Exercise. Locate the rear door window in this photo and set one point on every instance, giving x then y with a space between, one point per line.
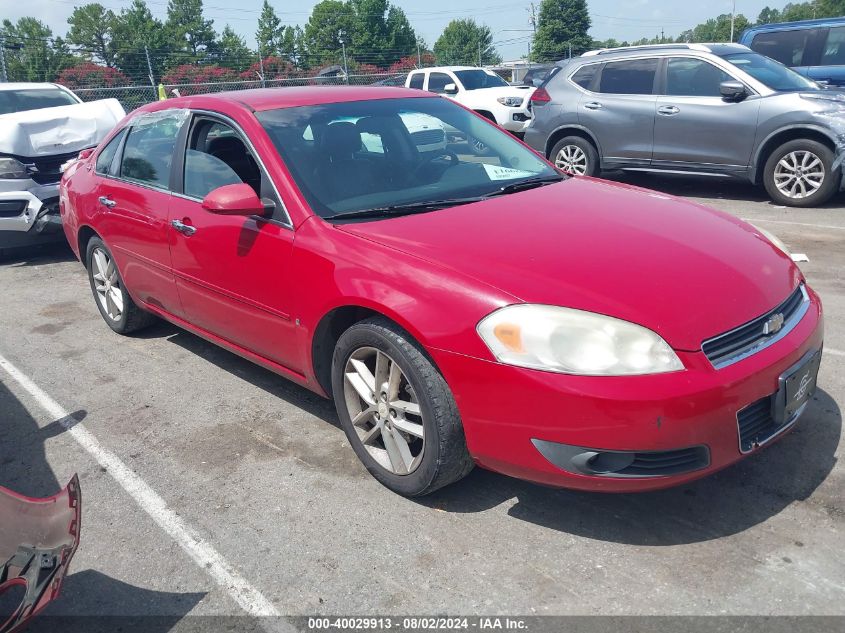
687 77
833 53
787 47
416 81
585 75
630 77
148 152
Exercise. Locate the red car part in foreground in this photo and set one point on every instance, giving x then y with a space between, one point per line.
38 537
461 301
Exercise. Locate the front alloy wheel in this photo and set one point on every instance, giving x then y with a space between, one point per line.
800 173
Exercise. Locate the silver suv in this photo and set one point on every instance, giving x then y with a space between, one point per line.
707 109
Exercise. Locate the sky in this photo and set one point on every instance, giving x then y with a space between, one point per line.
509 21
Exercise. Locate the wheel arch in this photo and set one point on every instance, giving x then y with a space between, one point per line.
571 130
784 135
486 114
83 236
335 322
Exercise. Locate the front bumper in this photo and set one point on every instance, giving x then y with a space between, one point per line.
515 120
506 411
29 213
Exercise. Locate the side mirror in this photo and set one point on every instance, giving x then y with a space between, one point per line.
86 153
450 89
237 199
733 90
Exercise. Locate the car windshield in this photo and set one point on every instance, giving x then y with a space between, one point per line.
771 73
475 79
386 153
33 99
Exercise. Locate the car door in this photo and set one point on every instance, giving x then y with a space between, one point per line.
618 109
232 272
831 64
132 197
695 126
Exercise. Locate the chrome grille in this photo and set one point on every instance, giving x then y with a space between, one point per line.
748 339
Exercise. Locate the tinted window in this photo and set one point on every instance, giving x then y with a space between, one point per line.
148 152
417 81
476 79
787 47
216 156
584 77
33 99
694 78
633 77
834 51
437 82
106 157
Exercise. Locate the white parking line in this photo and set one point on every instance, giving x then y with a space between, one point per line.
815 226
201 551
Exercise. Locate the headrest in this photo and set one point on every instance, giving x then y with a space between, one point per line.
341 139
225 144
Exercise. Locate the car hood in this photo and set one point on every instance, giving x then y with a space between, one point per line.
59 130
523 92
684 271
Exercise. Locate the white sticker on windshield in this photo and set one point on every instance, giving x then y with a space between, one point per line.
494 172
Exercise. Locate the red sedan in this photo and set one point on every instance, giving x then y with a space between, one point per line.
460 308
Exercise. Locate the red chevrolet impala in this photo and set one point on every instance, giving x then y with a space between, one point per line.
460 308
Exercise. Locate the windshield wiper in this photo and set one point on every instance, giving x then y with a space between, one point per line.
524 185
404 209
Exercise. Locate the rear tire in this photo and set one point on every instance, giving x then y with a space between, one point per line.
799 174
430 442
576 155
113 301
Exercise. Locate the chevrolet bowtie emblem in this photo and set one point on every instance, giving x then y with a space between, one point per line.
773 325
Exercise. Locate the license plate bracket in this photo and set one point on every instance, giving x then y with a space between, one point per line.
796 386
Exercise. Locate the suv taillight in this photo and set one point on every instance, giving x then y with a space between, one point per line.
540 97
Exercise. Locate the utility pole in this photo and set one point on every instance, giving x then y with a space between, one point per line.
733 19
261 68
533 19
479 52
3 76
150 69
419 56
345 65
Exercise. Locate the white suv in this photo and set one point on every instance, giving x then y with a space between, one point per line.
480 90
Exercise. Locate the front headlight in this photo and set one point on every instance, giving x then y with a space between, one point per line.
12 168
511 102
571 341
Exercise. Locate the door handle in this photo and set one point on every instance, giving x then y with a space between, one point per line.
184 229
668 110
107 202
593 105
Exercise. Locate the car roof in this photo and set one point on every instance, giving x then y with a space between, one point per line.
289 97
450 68
623 51
785 26
30 86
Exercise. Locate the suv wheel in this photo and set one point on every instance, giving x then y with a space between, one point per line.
799 174
575 155
398 413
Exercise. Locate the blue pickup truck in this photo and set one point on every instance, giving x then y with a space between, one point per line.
814 48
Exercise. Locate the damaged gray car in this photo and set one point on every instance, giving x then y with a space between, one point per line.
42 126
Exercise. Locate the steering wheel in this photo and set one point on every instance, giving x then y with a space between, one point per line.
453 161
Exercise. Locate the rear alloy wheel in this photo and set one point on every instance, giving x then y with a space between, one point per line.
576 156
115 305
397 410
799 174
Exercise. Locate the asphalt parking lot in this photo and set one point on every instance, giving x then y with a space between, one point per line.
257 471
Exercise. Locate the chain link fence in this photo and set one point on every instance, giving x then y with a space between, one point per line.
132 97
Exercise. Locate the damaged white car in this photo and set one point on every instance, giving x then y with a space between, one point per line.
42 126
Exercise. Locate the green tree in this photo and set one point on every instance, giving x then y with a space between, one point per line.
191 34
381 33
465 42
716 29
270 30
768 16
33 54
331 22
92 29
562 27
134 29
232 51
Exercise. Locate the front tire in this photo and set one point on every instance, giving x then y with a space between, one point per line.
576 156
113 301
397 410
799 174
